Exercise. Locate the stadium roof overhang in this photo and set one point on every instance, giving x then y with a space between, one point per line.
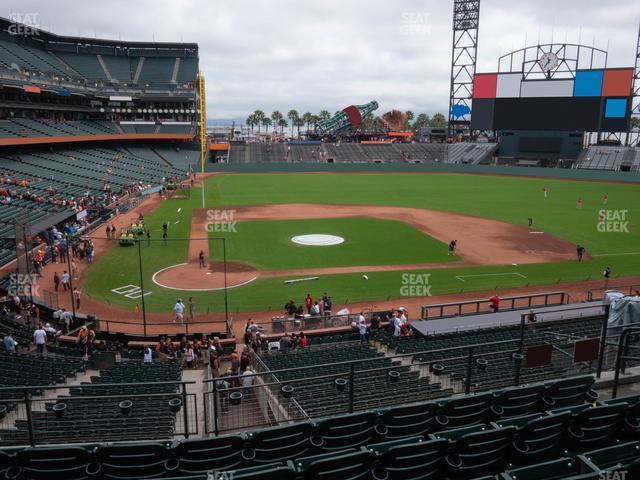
9 25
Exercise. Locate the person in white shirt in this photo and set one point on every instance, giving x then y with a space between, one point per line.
247 383
40 338
362 327
178 309
148 355
67 318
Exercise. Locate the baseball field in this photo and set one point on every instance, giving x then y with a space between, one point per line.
395 229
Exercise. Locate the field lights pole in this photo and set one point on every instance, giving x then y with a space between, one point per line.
144 312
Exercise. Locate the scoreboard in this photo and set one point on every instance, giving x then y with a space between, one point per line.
594 100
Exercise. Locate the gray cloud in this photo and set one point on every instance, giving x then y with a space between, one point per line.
282 54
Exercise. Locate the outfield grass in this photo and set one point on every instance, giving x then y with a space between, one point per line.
504 198
367 241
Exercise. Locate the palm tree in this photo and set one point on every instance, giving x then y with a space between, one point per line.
251 121
314 120
421 122
410 116
299 123
276 117
324 115
293 116
259 116
266 121
437 120
307 118
282 123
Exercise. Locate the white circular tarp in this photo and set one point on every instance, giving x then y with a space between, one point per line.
317 240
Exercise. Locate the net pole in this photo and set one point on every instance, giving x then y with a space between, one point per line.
203 130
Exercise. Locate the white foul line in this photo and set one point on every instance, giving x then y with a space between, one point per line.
460 277
615 254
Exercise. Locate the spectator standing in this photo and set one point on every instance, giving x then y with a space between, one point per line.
308 303
607 275
178 310
494 303
76 296
66 281
362 327
302 341
247 382
40 339
148 355
56 281
67 318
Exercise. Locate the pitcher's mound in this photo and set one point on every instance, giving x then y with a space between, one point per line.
190 277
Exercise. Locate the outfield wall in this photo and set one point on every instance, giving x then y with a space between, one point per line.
561 173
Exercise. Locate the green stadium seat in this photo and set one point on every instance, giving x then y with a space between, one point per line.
539 439
134 461
273 471
413 461
612 458
572 391
596 427
351 464
561 469
202 455
347 431
518 401
56 463
278 443
465 411
480 453
409 420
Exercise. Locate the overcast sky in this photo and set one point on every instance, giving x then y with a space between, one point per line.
283 54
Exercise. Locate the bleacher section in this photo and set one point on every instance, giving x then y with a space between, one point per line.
381 153
540 431
471 153
345 152
610 158
319 398
92 413
29 128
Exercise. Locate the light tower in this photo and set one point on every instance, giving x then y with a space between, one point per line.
466 17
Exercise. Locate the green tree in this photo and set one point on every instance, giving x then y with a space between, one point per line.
266 121
251 121
437 120
299 123
293 116
276 117
421 121
308 118
410 117
635 122
258 116
324 115
282 123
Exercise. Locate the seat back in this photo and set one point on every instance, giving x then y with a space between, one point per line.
410 420
273 471
518 401
571 391
419 460
280 443
480 453
55 463
346 465
597 426
561 469
133 461
202 455
346 431
540 439
621 455
465 411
